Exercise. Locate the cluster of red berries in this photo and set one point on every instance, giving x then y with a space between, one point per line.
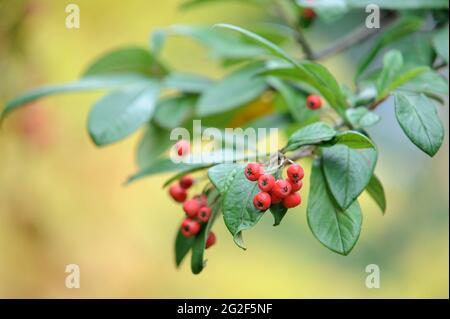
313 102
276 191
196 209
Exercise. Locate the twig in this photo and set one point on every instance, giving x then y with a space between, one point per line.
360 35
440 66
299 37
305 152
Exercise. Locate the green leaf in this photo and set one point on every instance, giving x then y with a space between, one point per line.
295 102
336 229
233 91
403 78
440 42
222 175
416 50
183 245
312 134
361 117
353 139
348 171
392 64
264 43
419 120
154 142
166 165
120 113
278 211
402 28
187 83
237 205
85 84
220 44
131 60
198 249
429 83
376 191
315 76
393 76
172 112
327 85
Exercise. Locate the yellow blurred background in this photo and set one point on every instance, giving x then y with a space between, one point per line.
62 200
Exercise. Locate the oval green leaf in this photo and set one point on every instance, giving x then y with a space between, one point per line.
120 113
348 171
419 120
336 229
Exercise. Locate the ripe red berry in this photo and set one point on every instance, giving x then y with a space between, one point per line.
211 240
262 201
204 214
190 227
177 193
292 200
274 199
309 13
191 208
202 199
186 181
182 147
253 171
296 186
266 182
313 102
281 188
295 172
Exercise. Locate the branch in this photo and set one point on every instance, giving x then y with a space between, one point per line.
301 40
360 35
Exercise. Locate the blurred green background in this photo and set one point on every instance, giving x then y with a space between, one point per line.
62 200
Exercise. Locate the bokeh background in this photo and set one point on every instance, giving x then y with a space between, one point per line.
62 199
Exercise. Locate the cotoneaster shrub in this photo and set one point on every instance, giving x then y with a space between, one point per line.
322 119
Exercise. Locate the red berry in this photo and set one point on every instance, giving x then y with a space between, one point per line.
204 214
292 200
182 147
266 182
262 201
191 208
186 181
190 227
295 172
281 188
309 13
211 240
253 171
313 102
177 193
274 199
296 186
202 199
